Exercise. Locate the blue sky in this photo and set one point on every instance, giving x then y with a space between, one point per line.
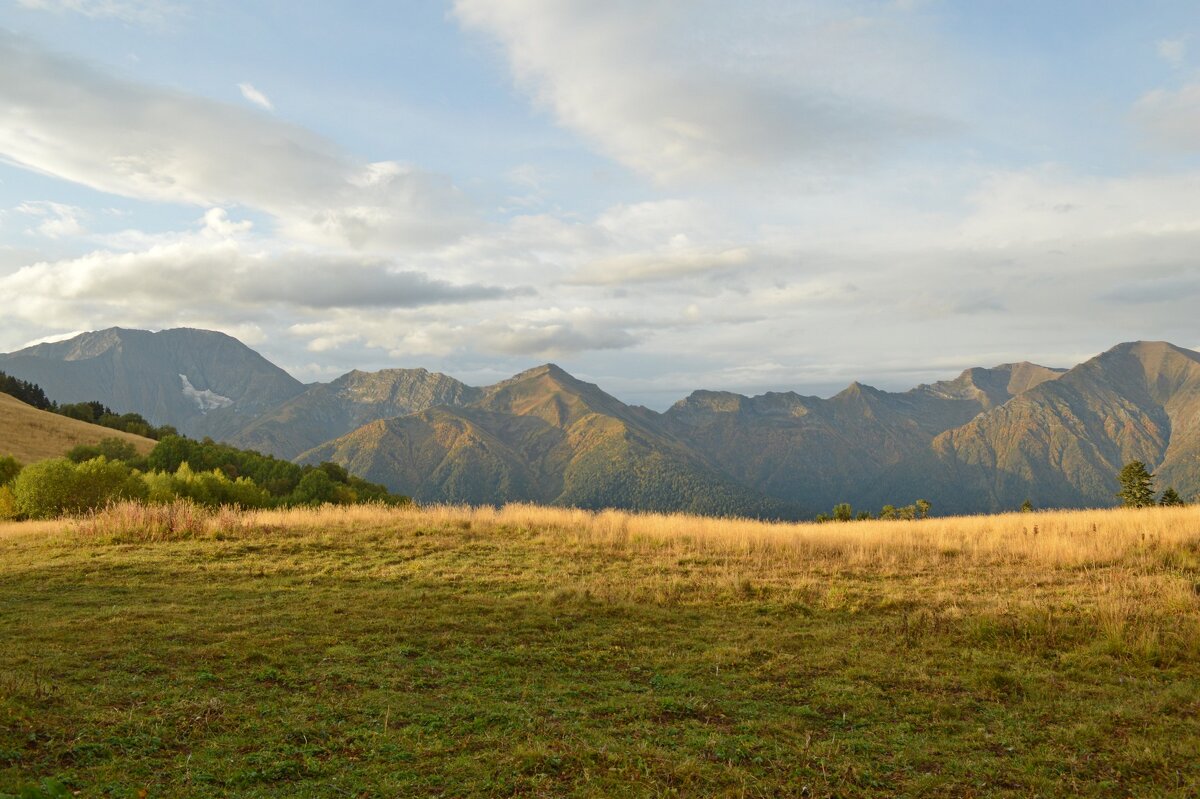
658 195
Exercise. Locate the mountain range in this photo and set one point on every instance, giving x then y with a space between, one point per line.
985 441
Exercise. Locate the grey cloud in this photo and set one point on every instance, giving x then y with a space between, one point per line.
1154 291
221 276
555 339
645 267
315 282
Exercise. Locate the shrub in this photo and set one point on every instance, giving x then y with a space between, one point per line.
58 487
45 489
8 503
317 488
115 449
9 469
210 489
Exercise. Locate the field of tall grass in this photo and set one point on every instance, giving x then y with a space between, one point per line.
545 651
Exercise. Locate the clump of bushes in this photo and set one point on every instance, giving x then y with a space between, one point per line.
59 487
204 473
842 512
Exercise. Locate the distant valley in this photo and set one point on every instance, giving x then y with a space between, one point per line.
986 440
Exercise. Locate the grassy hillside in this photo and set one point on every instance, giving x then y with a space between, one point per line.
554 652
31 435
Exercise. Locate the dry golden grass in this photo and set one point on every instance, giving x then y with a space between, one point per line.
1135 572
529 651
1071 538
29 434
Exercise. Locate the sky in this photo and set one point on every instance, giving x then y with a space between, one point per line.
657 195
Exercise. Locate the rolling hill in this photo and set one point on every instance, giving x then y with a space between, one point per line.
30 435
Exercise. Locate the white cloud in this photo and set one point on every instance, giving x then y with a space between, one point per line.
236 277
1052 206
527 334
684 91
65 118
56 220
255 96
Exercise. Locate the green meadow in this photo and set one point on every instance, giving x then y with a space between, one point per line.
543 652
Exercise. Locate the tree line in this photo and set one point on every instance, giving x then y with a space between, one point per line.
205 472
843 512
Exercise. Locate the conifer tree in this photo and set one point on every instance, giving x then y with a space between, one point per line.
1137 485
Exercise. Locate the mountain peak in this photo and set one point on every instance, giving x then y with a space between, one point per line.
551 393
857 389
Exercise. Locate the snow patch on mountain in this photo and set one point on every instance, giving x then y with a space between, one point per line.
205 400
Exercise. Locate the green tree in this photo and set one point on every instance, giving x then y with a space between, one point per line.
115 449
842 512
923 506
43 489
888 512
58 487
1171 498
9 469
1137 485
1027 506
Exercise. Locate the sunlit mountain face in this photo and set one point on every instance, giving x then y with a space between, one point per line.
987 440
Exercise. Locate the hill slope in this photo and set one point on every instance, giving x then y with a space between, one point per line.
202 382
30 435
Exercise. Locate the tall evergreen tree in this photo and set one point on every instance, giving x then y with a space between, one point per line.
1137 485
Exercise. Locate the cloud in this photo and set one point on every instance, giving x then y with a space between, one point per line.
68 119
57 220
669 264
535 333
678 92
1171 118
1052 206
141 12
1173 51
236 279
255 96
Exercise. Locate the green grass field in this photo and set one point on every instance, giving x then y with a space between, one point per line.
455 653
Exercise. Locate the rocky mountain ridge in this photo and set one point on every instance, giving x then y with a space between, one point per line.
985 440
